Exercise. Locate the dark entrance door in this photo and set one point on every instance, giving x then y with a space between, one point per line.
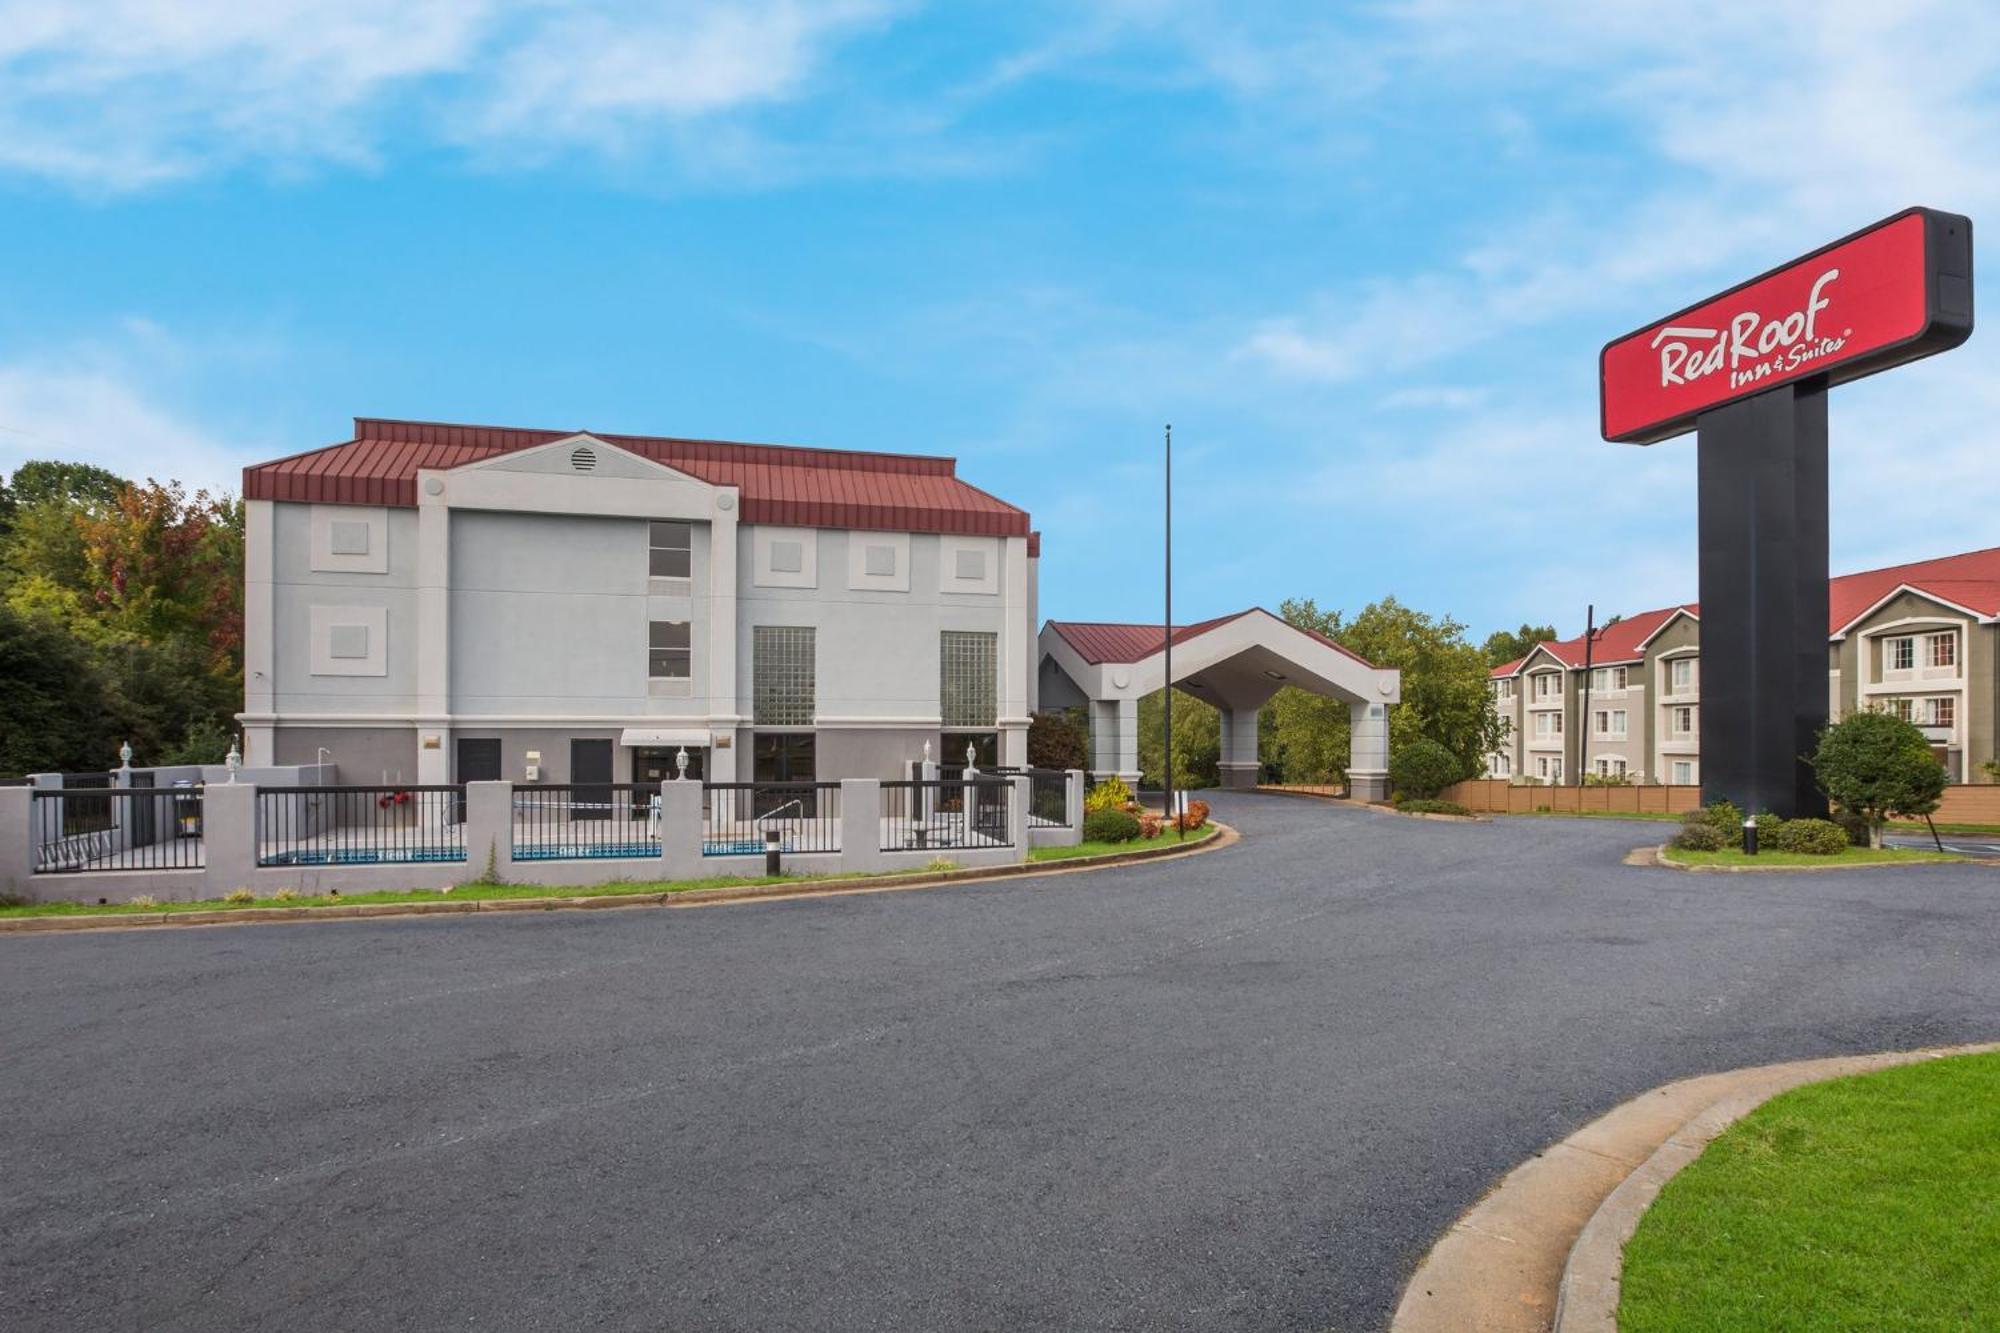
590 779
783 756
144 831
478 761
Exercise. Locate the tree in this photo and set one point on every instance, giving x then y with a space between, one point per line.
80 485
1874 765
1058 740
1445 694
1197 742
1502 647
52 714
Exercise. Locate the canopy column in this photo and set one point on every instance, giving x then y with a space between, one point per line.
1239 747
1368 751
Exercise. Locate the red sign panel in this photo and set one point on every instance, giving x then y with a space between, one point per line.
1893 292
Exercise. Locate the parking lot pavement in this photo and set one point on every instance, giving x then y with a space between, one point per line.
1241 1091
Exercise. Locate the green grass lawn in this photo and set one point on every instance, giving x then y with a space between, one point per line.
1852 856
1166 839
1905 826
1863 1203
1655 815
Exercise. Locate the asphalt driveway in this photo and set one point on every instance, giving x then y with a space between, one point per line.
1241 1091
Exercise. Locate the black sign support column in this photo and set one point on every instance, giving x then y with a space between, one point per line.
1762 465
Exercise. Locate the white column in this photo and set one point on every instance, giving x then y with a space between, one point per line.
228 835
1017 815
1128 742
433 720
259 659
1368 751
724 687
17 838
1239 747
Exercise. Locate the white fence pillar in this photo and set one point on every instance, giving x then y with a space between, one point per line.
1017 814
860 824
489 830
229 836
17 838
1073 800
680 830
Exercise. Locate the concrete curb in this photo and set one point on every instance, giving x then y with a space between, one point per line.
1225 836
1659 858
1543 1249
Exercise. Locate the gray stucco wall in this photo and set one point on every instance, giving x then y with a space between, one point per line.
361 756
549 616
870 753
297 588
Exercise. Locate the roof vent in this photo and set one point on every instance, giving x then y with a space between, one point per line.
583 458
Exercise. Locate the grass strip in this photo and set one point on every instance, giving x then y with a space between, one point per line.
1166 839
1861 1203
1852 856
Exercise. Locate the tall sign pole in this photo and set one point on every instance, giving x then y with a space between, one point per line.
1167 633
1748 371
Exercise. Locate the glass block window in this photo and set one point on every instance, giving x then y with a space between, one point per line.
781 676
668 651
969 678
672 553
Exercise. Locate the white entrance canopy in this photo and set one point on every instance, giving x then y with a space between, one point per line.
1234 662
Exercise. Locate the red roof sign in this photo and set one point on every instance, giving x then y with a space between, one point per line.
1890 293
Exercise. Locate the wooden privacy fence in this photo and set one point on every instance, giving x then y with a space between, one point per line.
1495 796
1978 804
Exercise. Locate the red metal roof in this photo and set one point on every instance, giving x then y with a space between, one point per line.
789 484
1970 580
1098 641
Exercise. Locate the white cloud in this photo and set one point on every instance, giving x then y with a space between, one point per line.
124 94
96 403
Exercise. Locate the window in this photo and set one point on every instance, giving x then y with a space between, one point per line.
1611 722
782 690
1502 766
672 550
1903 708
968 678
1542 767
1548 724
1610 768
1900 654
1605 680
669 653
1503 690
1680 674
1548 685
1683 721
1942 711
1683 773
1942 650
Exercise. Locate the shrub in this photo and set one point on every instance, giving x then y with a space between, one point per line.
142 900
285 895
1877 765
1057 740
1196 816
1698 835
239 897
1811 837
1432 807
1149 825
941 864
1725 817
1110 826
1110 794
1422 768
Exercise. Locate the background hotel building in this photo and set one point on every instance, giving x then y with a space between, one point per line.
437 603
1921 639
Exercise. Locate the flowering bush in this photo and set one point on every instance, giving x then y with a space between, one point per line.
1110 794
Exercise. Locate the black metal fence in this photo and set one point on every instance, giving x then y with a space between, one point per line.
572 822
737 816
1048 795
116 828
345 826
957 815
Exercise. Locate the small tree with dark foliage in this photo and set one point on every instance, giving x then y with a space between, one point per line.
1421 768
1057 740
1875 765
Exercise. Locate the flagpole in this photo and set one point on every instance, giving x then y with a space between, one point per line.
1167 633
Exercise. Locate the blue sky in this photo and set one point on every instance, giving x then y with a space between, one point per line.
1361 256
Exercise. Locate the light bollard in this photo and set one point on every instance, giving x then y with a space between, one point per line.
771 847
1750 836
